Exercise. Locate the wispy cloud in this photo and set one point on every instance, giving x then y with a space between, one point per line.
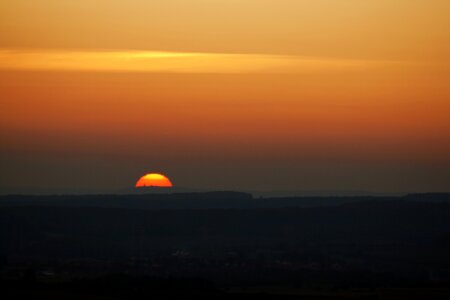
171 62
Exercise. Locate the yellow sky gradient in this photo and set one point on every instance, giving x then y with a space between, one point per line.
320 88
377 29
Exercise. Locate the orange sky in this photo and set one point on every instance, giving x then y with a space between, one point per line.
232 94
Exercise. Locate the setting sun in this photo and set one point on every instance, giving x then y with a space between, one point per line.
154 180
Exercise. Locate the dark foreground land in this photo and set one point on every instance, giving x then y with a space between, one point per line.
225 246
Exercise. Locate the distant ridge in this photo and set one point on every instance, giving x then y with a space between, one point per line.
439 197
206 200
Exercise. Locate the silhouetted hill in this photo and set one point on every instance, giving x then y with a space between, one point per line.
207 200
92 232
429 197
360 242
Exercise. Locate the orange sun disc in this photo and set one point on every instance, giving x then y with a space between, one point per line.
154 179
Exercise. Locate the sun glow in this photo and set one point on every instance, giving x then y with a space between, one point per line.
154 180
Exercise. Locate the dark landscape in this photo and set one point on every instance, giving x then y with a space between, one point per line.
225 245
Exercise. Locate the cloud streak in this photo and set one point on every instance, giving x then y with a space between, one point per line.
173 62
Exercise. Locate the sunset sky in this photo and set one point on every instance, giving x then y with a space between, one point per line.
256 95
